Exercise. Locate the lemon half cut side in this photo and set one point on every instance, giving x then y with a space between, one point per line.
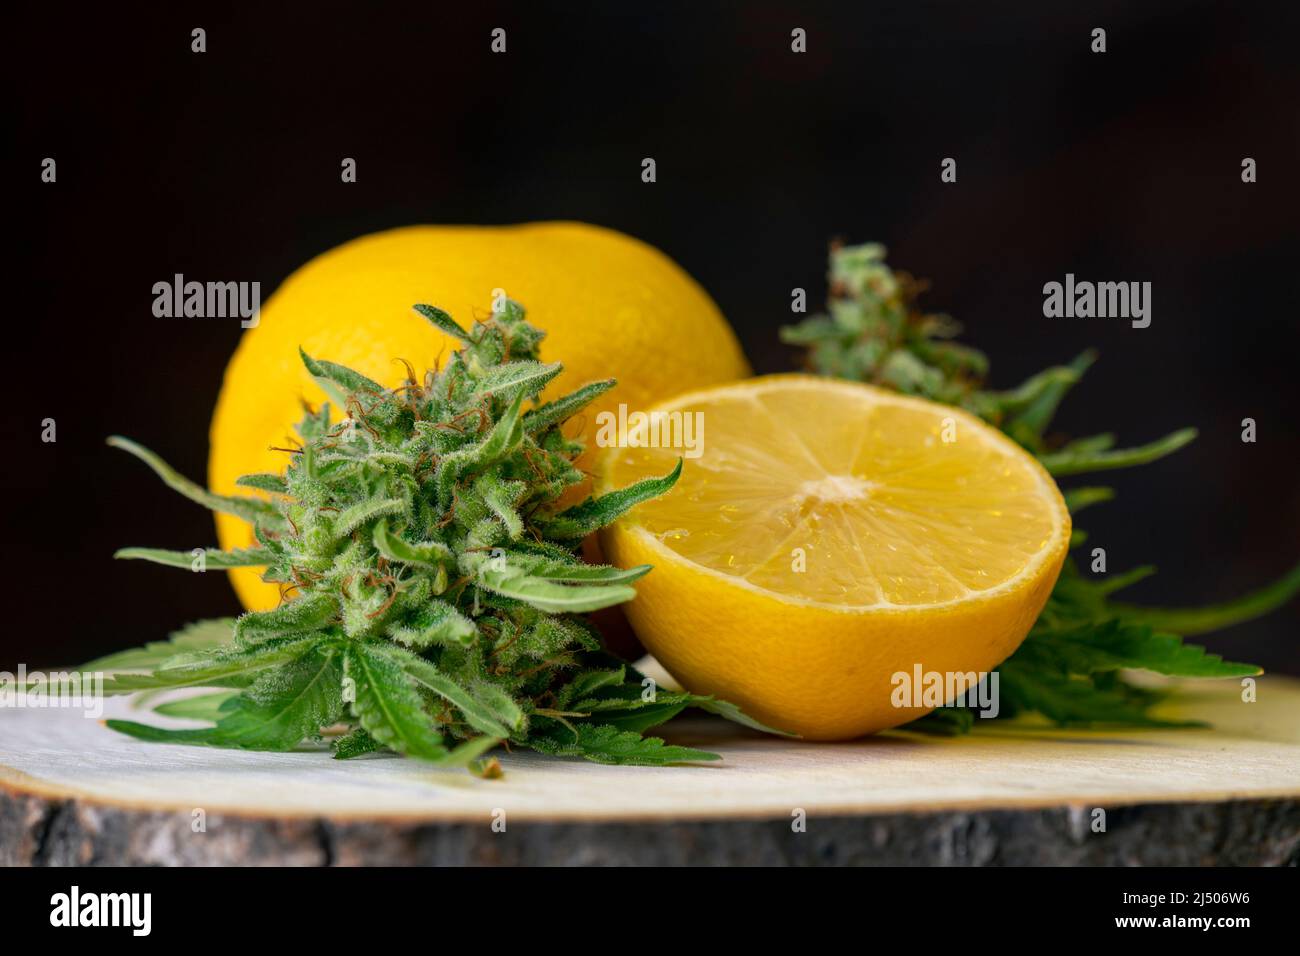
828 538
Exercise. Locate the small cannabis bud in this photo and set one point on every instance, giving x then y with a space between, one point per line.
1069 667
434 586
873 333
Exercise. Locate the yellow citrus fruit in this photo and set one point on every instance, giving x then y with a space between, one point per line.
828 537
611 306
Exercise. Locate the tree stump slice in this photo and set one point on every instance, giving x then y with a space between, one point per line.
73 792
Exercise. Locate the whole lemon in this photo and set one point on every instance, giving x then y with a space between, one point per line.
612 307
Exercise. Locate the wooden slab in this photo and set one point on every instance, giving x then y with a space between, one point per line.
73 791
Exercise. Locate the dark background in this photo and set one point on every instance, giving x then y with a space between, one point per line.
1119 166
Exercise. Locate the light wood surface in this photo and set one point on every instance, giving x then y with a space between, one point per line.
1250 757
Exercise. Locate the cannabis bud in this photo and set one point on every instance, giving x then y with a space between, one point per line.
874 332
434 589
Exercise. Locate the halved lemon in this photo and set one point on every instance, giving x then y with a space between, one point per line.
828 544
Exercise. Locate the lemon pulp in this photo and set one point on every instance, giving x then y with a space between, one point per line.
823 514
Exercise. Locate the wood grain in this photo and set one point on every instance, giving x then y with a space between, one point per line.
72 791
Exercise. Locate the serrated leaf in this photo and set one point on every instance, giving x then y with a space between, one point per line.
1040 412
590 682
517 378
1214 617
424 674
579 573
213 558
605 744
441 320
1080 460
1037 391
309 613
1113 645
734 714
282 709
1069 700
553 596
426 554
354 516
339 381
202 707
468 752
264 481
595 513
355 744
562 409
641 717
504 438
210 668
250 509
198 636
388 705
502 498
436 623
503 708
605 693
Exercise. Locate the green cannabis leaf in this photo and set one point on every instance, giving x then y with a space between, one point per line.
199 636
434 589
281 708
1069 668
607 744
